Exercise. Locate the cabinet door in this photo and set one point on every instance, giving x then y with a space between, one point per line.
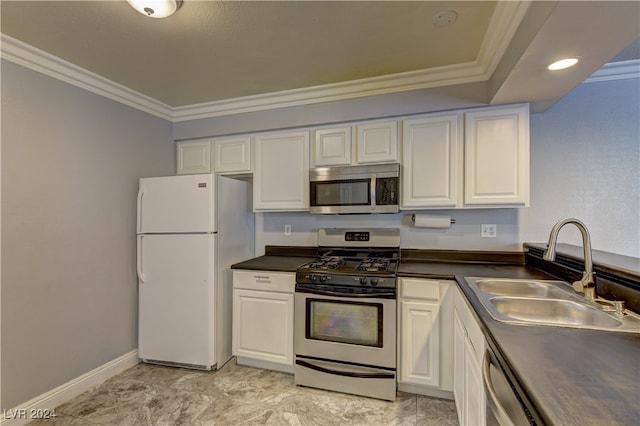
332 147
232 155
377 142
281 176
263 326
474 400
193 157
420 353
497 156
458 366
431 159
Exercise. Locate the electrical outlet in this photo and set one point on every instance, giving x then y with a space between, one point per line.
488 231
287 230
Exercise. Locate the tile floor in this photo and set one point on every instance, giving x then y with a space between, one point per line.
237 395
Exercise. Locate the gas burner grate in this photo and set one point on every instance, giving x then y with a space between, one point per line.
374 264
331 262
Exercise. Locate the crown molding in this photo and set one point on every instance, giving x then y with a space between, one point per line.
37 60
503 25
616 71
413 80
504 22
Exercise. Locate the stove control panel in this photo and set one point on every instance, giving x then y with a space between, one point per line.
349 280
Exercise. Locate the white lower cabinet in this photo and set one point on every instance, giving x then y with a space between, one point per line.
468 348
263 319
425 347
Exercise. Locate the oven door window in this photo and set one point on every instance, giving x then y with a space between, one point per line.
354 192
354 323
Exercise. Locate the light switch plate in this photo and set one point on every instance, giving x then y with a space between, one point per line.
287 230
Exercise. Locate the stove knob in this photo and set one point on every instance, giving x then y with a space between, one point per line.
323 278
374 281
313 278
363 280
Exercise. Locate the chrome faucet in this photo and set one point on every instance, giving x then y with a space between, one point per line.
587 284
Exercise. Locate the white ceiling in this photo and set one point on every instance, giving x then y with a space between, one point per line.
219 50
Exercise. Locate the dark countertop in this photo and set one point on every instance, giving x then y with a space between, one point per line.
279 259
568 376
273 263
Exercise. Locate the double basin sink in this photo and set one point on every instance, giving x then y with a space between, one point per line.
550 303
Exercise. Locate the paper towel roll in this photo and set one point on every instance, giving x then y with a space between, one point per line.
431 221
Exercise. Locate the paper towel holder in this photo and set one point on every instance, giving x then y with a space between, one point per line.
413 219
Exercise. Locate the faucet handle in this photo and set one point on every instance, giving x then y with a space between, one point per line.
578 286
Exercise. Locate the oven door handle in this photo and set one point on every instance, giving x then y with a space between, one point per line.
382 295
345 373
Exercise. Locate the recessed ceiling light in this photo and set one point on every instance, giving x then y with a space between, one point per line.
446 17
564 63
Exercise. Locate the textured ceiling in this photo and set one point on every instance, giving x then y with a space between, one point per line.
223 50
210 50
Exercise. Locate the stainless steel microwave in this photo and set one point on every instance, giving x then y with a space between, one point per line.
370 188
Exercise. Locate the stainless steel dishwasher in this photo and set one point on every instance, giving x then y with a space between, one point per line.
504 406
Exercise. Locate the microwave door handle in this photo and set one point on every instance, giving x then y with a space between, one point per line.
372 192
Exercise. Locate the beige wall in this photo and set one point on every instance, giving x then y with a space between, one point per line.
70 165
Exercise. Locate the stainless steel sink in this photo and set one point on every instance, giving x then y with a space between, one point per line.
523 288
551 311
548 303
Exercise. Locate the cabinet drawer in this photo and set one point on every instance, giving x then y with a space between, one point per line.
265 280
420 288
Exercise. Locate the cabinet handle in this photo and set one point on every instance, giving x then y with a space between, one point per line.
262 277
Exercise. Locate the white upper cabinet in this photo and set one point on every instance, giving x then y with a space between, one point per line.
497 156
362 143
377 142
432 161
232 155
281 171
332 147
193 157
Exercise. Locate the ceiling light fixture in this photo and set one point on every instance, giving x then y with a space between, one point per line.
156 8
564 63
444 18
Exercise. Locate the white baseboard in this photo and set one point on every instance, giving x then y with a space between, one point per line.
43 405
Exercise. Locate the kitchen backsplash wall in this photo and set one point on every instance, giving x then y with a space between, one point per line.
464 234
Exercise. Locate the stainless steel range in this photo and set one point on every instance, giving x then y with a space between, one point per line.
345 313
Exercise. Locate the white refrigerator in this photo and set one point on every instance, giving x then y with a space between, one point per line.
190 230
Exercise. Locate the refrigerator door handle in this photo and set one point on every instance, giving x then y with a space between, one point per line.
139 259
139 211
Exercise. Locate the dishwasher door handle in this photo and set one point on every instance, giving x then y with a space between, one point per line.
493 401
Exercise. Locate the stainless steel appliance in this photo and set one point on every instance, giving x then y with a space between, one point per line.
504 406
345 313
354 189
